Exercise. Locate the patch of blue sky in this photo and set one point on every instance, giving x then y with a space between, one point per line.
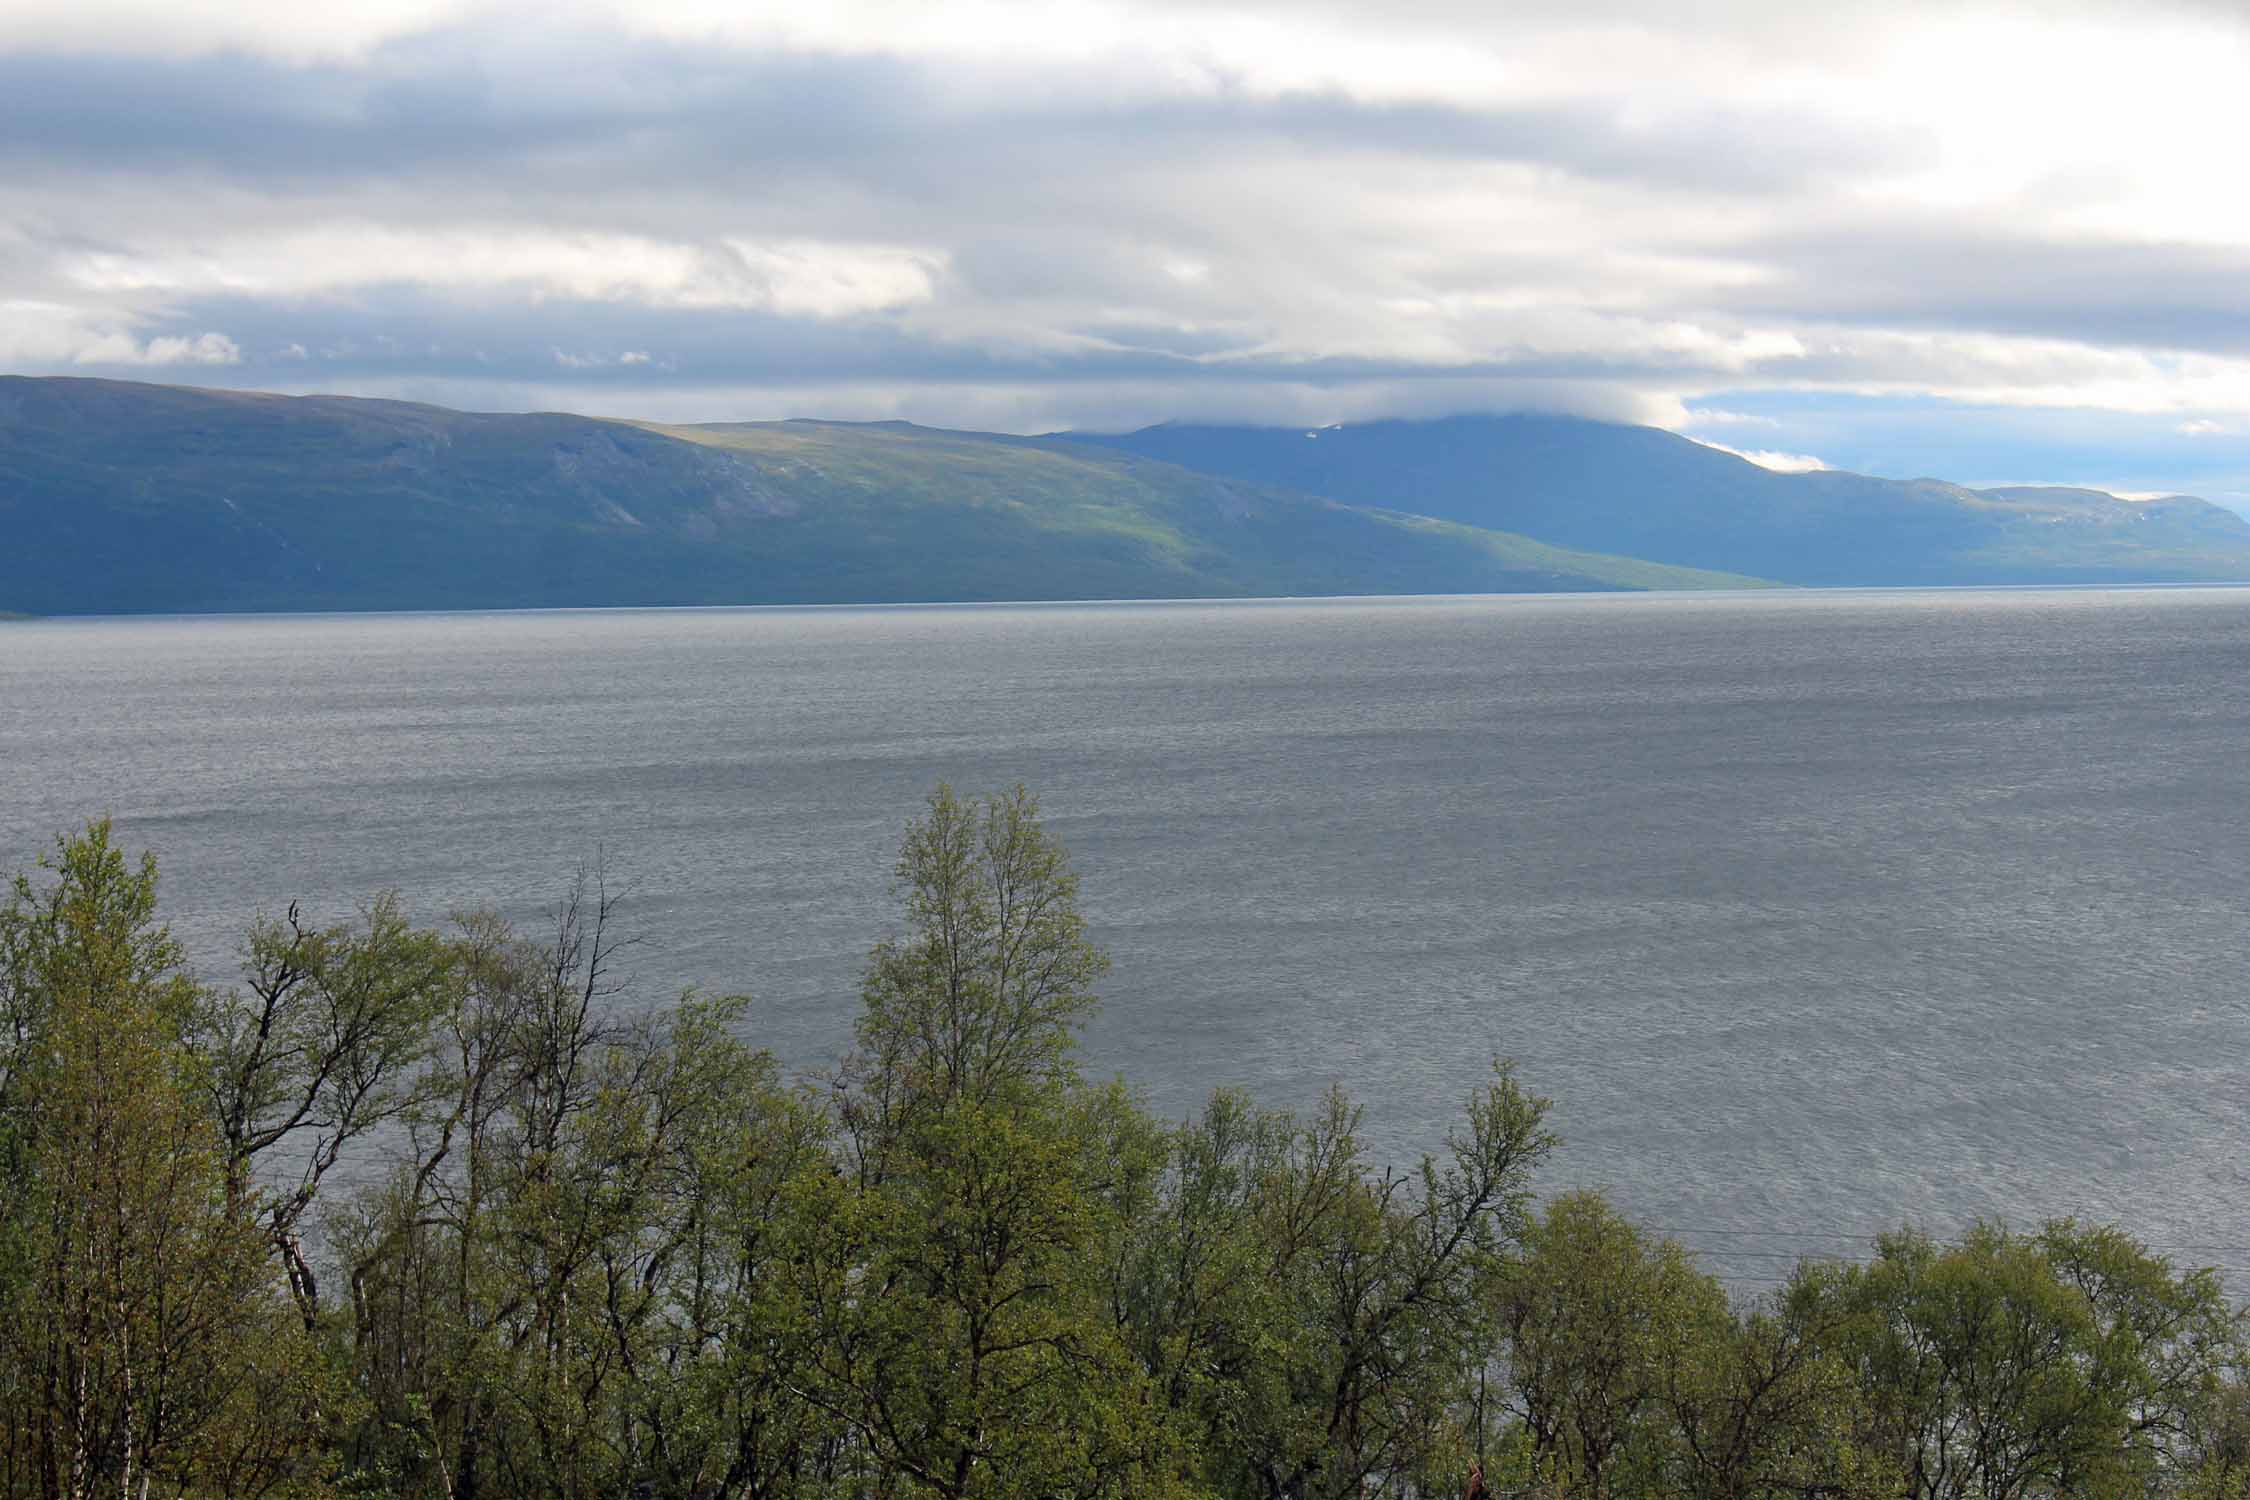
1908 437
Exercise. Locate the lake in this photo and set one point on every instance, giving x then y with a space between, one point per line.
1812 911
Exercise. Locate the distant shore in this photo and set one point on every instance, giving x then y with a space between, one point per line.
1759 590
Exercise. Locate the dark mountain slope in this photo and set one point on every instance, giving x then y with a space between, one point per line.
1649 493
119 497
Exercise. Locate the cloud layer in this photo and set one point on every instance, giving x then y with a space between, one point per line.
1840 220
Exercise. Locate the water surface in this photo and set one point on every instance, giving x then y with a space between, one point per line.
1812 911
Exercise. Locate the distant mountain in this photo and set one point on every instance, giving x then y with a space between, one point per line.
1649 493
121 497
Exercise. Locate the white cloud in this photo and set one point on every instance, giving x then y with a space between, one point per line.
37 334
1766 458
285 29
795 277
1026 406
124 349
1092 210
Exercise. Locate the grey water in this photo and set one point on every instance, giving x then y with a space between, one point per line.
1813 912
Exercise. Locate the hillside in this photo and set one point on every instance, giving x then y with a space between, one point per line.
1649 493
121 497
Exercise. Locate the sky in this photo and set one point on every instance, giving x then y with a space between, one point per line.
1995 244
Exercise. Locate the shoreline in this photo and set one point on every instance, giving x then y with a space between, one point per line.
1789 591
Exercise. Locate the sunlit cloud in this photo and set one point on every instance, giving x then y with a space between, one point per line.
797 278
54 335
1107 211
1766 458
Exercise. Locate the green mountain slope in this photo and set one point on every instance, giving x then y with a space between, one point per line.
1647 493
119 497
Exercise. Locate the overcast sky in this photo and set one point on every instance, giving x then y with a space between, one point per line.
1995 244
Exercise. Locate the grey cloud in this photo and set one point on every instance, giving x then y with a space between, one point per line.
467 99
1100 241
1020 407
1776 28
428 107
379 334
1956 275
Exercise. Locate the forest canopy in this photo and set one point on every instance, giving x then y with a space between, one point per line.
451 1213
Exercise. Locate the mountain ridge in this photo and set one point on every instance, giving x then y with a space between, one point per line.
119 497
1646 492
122 497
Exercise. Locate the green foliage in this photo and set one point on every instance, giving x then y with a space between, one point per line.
590 1248
84 945
1762 1403
1594 1316
1313 1323
982 999
144 1340
321 1047
963 1339
2071 1362
90 940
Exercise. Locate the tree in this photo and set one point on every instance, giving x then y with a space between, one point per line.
2166 1340
1315 1324
145 1339
2215 1459
90 939
562 1289
961 1334
614 1254
719 1355
1761 1403
322 1047
984 994
2068 1363
1594 1315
